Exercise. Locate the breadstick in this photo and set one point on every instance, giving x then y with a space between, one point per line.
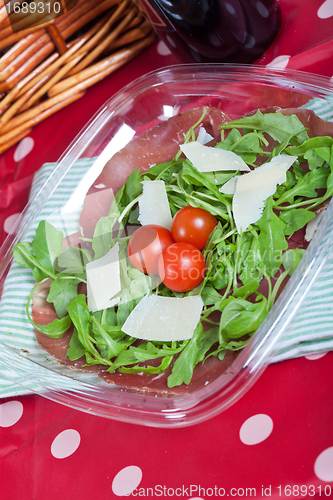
98 71
38 116
101 46
14 140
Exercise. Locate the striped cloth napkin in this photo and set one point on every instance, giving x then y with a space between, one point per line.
310 330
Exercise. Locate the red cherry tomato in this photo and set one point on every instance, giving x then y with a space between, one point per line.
193 225
181 267
145 246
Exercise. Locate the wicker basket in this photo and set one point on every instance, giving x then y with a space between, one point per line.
45 68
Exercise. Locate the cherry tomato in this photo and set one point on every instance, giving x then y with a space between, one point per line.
145 246
193 225
181 267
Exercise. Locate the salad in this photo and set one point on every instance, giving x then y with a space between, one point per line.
242 200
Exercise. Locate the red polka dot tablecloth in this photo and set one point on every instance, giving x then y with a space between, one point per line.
276 442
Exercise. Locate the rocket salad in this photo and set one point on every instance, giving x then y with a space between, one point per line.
244 271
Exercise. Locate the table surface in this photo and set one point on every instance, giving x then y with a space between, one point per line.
277 441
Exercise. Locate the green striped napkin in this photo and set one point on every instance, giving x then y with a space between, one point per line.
310 331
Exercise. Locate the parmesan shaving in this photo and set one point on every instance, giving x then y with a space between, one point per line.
154 205
230 186
203 136
208 159
254 188
164 319
313 225
103 281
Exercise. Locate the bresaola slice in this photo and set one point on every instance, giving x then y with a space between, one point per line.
159 144
96 205
114 176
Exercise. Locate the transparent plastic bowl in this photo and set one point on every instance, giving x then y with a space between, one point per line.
236 90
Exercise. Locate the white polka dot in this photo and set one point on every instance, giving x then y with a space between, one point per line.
262 9
318 355
249 41
279 62
325 10
230 8
10 413
162 49
127 480
24 148
65 444
323 466
214 39
256 429
10 222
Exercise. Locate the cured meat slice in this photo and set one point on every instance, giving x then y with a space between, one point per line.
96 205
159 144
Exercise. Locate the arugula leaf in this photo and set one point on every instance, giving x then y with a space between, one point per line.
251 263
277 125
247 290
25 258
271 239
295 219
140 354
305 186
23 255
124 310
184 365
80 316
219 178
210 295
195 352
247 146
289 183
243 245
149 369
156 170
46 246
329 183
191 174
56 329
104 234
73 260
218 279
62 291
316 151
109 347
76 350
241 317
133 185
291 258
205 342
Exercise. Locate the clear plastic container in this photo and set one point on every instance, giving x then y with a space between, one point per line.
148 100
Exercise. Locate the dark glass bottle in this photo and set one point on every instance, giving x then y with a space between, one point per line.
238 31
